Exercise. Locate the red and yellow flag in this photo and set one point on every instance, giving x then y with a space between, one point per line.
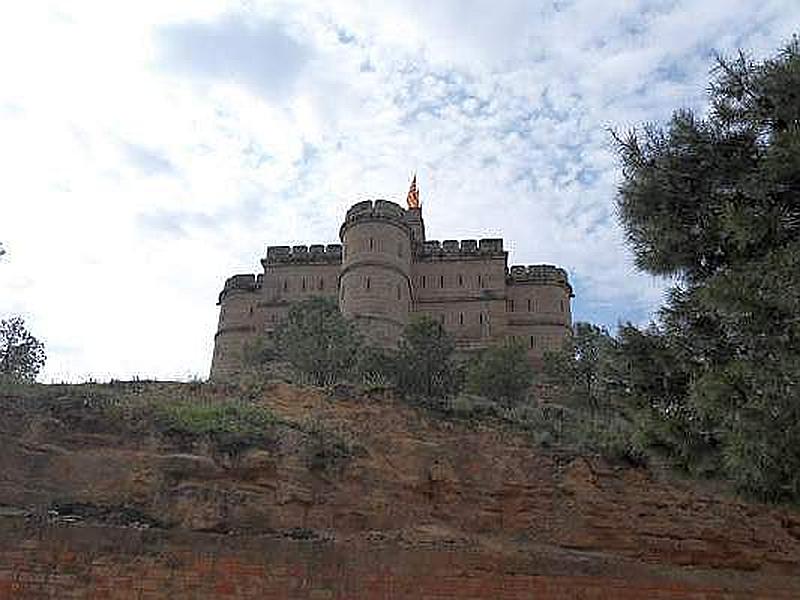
413 194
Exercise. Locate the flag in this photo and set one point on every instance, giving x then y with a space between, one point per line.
413 194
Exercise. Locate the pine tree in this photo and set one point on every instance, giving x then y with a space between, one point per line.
714 202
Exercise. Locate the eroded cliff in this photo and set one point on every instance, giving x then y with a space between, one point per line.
355 496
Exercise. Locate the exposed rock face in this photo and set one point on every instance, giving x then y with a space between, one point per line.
440 509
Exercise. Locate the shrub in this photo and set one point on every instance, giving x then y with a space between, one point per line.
501 373
21 355
231 425
424 366
376 366
318 341
328 448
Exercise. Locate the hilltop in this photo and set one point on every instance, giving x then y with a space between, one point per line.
133 490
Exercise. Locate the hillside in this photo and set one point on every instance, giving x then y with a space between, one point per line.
350 495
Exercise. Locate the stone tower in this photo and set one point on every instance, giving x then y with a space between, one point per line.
375 282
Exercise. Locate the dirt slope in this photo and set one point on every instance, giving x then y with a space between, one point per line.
476 500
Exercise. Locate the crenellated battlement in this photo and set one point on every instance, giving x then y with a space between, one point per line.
295 255
247 282
454 249
375 210
538 274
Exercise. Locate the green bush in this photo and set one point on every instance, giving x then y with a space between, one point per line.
501 373
376 367
424 365
22 356
231 425
318 341
329 448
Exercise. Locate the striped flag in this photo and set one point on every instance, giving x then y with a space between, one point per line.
413 194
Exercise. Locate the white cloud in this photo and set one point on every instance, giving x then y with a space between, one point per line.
151 149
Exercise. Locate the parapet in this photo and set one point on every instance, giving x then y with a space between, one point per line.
539 274
452 249
383 210
240 283
313 254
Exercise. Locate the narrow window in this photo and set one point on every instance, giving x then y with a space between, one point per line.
531 341
480 281
423 281
285 284
304 283
251 311
321 284
460 318
441 281
529 305
480 318
272 318
460 281
510 306
367 282
371 243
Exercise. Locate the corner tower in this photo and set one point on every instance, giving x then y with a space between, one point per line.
375 284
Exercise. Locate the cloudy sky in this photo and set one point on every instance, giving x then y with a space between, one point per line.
150 149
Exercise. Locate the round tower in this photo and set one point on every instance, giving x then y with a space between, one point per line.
375 284
538 307
236 324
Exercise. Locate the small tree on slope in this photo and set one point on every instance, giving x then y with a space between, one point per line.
21 355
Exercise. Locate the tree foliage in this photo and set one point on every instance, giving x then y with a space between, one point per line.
317 340
703 195
714 202
22 356
424 365
501 373
582 366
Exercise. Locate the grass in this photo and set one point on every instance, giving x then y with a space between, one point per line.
235 418
195 416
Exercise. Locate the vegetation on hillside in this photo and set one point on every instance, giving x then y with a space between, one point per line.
318 341
502 373
714 202
22 356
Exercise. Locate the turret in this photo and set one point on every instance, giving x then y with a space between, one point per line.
236 324
375 285
538 306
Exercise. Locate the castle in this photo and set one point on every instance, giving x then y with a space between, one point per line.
384 272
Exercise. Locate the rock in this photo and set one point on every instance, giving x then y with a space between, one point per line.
579 479
257 465
189 466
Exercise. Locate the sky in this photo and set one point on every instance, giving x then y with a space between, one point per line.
148 150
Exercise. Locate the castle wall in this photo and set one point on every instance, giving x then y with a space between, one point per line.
462 284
